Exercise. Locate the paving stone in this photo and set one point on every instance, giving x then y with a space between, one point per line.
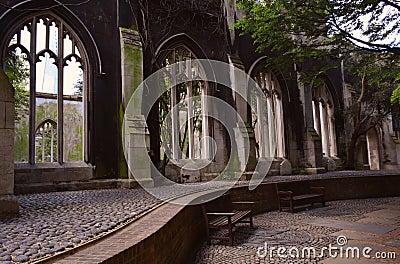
367 228
355 235
385 213
380 221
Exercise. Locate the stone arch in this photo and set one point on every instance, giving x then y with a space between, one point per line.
270 84
324 104
23 9
181 48
282 81
60 57
176 40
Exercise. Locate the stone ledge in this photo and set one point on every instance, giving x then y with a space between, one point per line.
65 186
52 172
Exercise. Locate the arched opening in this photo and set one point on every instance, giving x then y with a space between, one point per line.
268 118
184 128
47 65
324 119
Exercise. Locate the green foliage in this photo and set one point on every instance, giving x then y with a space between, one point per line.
305 29
299 171
17 72
395 98
364 34
325 30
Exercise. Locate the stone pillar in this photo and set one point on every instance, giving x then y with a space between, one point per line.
373 146
135 133
271 141
332 132
8 202
317 123
239 86
312 142
324 129
280 134
137 144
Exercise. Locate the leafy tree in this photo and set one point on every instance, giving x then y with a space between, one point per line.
362 34
373 83
17 72
311 28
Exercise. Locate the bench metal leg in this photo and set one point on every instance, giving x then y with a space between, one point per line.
230 234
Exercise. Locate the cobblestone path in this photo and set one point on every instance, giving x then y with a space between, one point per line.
54 222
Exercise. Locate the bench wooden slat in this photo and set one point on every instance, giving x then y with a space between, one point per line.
217 220
288 200
306 196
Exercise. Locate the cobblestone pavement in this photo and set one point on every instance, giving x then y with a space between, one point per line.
368 222
55 222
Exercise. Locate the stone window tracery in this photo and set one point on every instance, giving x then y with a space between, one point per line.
324 120
264 121
182 108
49 62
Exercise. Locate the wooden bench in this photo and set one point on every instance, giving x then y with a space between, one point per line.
222 213
289 201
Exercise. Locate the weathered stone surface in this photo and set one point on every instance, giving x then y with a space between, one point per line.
189 176
285 167
8 203
9 115
329 164
6 91
8 206
2 115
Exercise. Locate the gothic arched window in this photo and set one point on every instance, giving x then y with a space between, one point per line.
324 120
46 63
181 108
271 117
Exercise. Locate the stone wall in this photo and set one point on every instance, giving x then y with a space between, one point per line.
8 204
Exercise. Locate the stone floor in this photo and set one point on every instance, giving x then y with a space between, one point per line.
55 222
373 223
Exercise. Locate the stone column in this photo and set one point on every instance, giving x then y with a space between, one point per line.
137 144
262 127
324 129
271 128
317 123
8 202
332 132
136 135
280 134
312 142
242 131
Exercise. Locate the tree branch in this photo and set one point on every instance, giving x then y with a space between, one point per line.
390 3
